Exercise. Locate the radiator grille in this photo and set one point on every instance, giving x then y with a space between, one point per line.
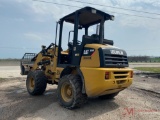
116 60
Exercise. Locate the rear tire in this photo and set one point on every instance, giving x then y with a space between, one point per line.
36 82
110 96
70 91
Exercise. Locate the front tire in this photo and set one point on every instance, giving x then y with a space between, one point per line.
70 91
36 82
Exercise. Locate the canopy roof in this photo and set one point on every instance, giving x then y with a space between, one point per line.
87 16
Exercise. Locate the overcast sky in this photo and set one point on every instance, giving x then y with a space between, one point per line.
25 25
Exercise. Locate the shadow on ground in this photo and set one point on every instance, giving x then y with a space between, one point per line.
18 103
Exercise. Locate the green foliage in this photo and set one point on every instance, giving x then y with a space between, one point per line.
157 59
1 78
150 69
147 59
9 59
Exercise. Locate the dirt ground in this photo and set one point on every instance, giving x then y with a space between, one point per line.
141 101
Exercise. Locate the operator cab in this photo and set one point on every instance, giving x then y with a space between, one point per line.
81 19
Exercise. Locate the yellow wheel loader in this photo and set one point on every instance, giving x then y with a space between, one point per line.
88 68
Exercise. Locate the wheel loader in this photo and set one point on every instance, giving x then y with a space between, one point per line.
89 67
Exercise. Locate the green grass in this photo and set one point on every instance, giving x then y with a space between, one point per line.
155 59
150 69
2 80
9 60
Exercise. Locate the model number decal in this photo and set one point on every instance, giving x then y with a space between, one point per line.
117 52
88 51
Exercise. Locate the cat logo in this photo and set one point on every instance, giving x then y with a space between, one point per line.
85 52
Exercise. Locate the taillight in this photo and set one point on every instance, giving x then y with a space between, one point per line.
131 74
106 75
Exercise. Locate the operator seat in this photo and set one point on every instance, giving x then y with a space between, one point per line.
95 36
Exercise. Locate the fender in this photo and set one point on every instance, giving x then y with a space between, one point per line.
82 78
68 70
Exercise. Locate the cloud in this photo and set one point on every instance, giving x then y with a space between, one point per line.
33 36
24 18
44 11
56 11
135 22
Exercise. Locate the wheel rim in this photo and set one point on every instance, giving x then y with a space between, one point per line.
67 92
31 84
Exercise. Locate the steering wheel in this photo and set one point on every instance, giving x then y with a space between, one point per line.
79 42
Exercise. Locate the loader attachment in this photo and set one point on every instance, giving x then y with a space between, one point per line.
26 62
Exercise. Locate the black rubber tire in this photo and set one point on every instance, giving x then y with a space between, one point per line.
110 96
40 82
78 98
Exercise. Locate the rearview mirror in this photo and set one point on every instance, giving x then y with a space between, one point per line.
112 17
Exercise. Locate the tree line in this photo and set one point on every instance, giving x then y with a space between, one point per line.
143 59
